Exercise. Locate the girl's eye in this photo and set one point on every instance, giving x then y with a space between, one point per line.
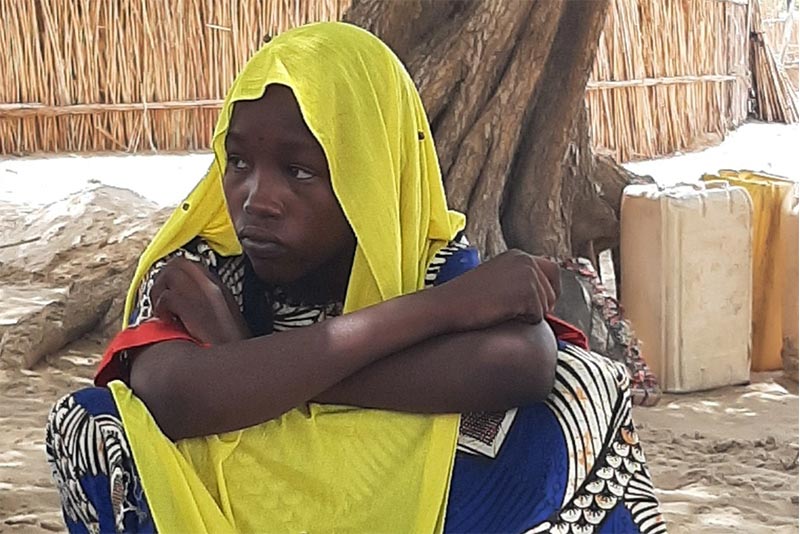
300 174
236 162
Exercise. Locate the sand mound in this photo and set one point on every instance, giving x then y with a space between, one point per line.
65 267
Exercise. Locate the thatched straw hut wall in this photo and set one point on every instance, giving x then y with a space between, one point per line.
122 75
668 76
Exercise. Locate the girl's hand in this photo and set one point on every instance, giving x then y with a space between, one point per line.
513 285
185 291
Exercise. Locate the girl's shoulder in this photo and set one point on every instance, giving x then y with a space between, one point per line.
452 260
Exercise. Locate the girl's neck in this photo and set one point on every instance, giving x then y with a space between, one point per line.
325 285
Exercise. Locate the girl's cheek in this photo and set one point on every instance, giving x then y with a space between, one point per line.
234 198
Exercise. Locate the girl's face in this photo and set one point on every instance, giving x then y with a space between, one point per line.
280 198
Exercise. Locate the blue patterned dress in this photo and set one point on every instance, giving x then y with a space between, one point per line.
570 464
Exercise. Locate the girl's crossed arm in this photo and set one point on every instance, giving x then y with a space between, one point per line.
475 343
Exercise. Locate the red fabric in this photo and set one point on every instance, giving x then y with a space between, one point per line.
567 333
147 333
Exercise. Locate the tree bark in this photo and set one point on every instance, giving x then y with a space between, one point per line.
503 84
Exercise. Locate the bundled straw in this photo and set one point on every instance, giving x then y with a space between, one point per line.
128 75
141 75
776 100
668 76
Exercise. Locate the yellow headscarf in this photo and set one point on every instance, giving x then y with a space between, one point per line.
319 468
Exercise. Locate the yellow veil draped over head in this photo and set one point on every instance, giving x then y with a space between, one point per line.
318 468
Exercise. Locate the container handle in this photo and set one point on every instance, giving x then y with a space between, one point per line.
725 184
694 185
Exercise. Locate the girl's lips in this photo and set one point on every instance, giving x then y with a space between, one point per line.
262 249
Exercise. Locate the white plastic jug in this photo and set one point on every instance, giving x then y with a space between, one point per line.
687 280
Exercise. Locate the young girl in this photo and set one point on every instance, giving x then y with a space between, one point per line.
302 331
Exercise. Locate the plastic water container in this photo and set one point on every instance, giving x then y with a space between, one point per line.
686 281
770 195
791 318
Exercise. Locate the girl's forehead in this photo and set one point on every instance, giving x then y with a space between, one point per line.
276 113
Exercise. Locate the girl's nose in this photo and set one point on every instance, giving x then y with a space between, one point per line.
265 196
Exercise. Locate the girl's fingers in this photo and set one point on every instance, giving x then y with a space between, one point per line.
193 277
179 275
160 284
553 273
163 305
194 271
536 305
173 306
547 295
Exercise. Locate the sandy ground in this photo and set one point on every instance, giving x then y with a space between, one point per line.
726 460
723 460
754 146
28 500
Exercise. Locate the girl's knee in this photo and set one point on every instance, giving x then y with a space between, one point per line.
588 370
74 410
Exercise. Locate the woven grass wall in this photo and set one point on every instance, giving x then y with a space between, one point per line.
143 75
668 76
124 75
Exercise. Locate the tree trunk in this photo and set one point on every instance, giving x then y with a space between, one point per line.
503 84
